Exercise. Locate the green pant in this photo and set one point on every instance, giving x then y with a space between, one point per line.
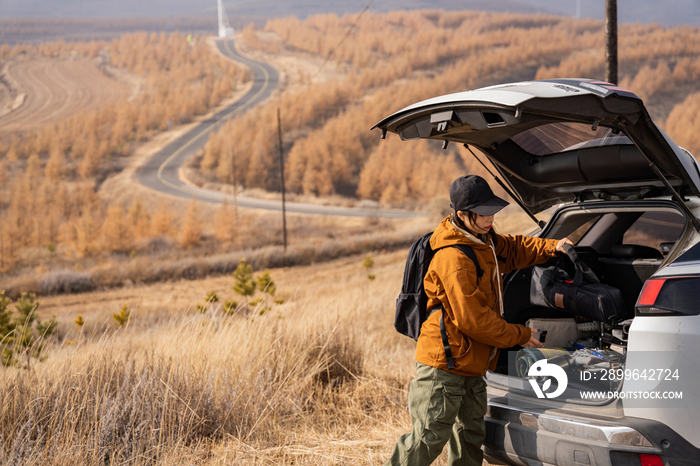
444 407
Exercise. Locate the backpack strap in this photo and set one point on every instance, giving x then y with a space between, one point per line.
469 252
443 334
445 342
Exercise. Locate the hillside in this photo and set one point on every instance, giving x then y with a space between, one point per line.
298 384
73 115
40 92
72 219
395 59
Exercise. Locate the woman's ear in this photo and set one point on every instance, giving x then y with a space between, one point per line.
462 217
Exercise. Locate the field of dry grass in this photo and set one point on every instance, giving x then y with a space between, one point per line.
321 379
302 384
39 92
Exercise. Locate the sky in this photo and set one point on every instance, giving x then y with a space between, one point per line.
673 12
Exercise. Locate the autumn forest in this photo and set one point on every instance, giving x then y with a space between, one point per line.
51 175
400 58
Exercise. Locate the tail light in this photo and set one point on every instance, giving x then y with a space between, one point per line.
669 296
650 460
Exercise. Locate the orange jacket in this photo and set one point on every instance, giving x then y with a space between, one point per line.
473 312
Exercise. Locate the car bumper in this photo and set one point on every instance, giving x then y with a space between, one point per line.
527 436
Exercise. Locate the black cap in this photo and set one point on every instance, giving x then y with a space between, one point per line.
472 193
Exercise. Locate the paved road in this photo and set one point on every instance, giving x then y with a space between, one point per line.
161 171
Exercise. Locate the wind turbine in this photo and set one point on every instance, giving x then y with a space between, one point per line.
225 29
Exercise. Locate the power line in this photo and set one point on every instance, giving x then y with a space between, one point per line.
347 33
330 54
279 118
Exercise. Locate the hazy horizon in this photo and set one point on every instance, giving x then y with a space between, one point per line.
674 12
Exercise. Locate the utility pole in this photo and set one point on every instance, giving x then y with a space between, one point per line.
611 41
234 181
284 206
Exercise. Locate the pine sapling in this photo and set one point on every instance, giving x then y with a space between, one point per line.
24 333
5 315
47 328
122 317
6 328
267 286
210 298
368 263
245 284
23 338
79 322
230 307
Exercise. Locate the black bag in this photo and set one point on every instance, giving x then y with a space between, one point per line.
412 303
582 295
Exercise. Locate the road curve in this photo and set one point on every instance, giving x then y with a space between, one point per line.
160 172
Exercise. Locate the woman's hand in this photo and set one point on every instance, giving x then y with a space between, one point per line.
533 342
561 243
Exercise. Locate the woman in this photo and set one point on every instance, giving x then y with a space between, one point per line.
450 404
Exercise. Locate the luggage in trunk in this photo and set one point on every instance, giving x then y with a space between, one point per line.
582 295
557 333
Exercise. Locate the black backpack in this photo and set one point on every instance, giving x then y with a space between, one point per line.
412 303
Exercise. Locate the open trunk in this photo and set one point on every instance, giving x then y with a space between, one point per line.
559 141
623 244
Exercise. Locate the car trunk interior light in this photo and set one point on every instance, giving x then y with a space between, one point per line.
650 460
650 292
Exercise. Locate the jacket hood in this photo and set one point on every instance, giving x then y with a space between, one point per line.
446 234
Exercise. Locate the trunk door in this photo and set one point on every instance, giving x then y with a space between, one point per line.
558 141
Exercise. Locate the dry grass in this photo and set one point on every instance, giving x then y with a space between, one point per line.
52 90
301 384
318 243
320 379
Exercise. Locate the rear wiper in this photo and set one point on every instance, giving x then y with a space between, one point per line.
540 223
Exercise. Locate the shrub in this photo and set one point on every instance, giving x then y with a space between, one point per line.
210 298
121 318
368 263
244 285
65 282
22 334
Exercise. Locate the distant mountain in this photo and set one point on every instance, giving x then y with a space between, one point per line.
673 12
195 15
666 13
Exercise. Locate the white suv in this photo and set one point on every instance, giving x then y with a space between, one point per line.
629 197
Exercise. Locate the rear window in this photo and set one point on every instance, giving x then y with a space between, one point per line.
577 234
655 228
560 137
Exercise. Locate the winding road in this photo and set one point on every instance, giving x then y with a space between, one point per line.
160 172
